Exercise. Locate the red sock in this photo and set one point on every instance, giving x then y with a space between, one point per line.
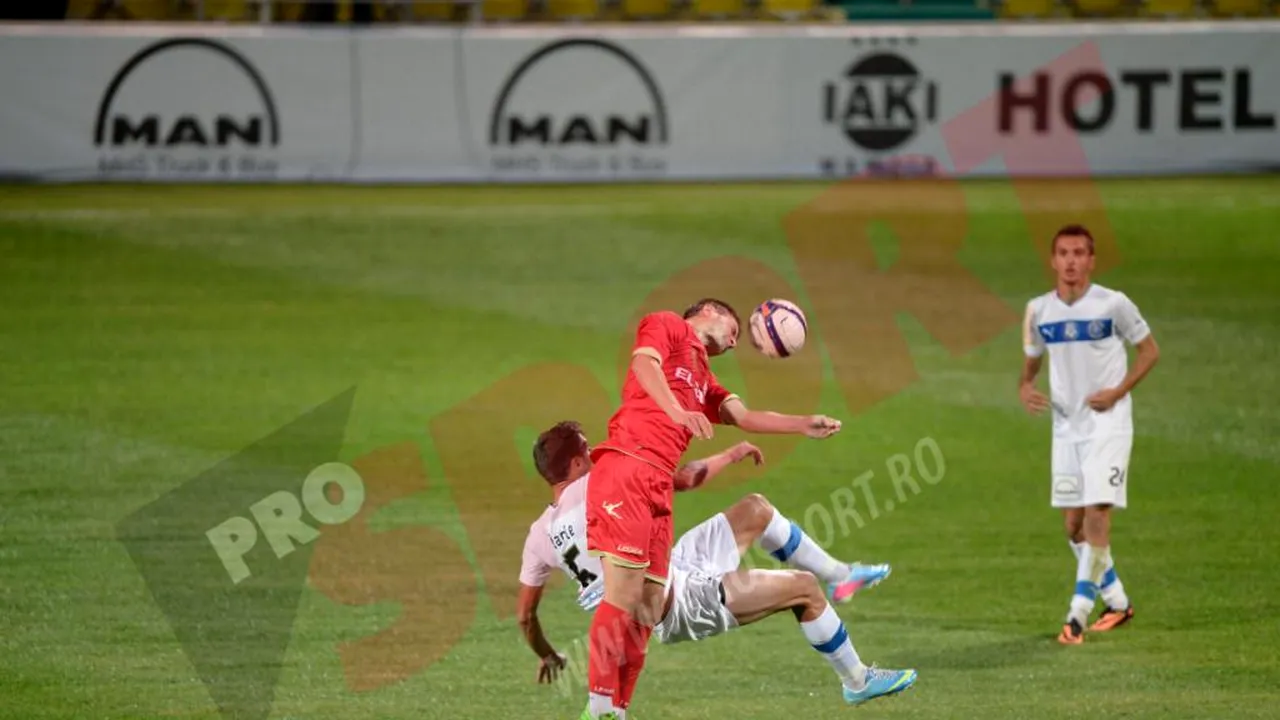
637 641
607 649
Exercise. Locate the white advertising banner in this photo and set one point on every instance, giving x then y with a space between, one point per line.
633 103
119 105
411 119
600 108
1038 103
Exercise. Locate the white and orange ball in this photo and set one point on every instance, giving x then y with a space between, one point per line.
778 328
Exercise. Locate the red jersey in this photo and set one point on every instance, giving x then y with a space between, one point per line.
640 427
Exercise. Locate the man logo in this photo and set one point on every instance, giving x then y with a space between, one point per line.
881 103
579 107
170 123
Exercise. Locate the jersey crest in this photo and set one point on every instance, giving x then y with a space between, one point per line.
1069 331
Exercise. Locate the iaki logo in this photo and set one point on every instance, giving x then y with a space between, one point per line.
238 543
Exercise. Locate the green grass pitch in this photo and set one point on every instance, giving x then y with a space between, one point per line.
148 333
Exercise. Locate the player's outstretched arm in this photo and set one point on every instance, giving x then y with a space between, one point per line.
734 412
552 662
694 474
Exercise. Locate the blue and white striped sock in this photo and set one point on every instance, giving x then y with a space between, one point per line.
1086 592
828 636
1112 589
786 542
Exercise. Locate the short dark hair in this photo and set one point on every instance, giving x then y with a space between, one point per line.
1073 230
556 447
719 305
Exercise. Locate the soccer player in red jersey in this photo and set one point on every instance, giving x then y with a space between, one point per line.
670 397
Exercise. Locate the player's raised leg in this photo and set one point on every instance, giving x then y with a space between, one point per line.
754 519
752 595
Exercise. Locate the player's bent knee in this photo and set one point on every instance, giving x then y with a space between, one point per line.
759 502
808 588
761 509
809 599
748 517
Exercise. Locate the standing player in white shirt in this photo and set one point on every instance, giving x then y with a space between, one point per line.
1085 326
709 594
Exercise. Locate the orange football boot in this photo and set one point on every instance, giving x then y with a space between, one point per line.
1111 619
1072 633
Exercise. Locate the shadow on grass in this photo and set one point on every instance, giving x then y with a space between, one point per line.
1018 652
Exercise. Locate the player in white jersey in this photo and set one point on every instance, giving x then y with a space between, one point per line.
1084 328
709 593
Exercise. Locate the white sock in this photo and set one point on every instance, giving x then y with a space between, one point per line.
785 541
1112 589
828 636
598 705
1086 592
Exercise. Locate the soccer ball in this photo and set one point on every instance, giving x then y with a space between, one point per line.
778 328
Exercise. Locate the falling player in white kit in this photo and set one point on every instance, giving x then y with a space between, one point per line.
708 594
1084 327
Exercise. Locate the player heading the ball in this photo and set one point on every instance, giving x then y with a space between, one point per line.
669 397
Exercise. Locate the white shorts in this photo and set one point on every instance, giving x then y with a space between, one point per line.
700 558
1091 472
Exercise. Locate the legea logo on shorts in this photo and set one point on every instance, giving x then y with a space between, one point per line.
579 107
190 108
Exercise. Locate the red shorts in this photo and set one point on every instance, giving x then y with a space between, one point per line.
629 514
